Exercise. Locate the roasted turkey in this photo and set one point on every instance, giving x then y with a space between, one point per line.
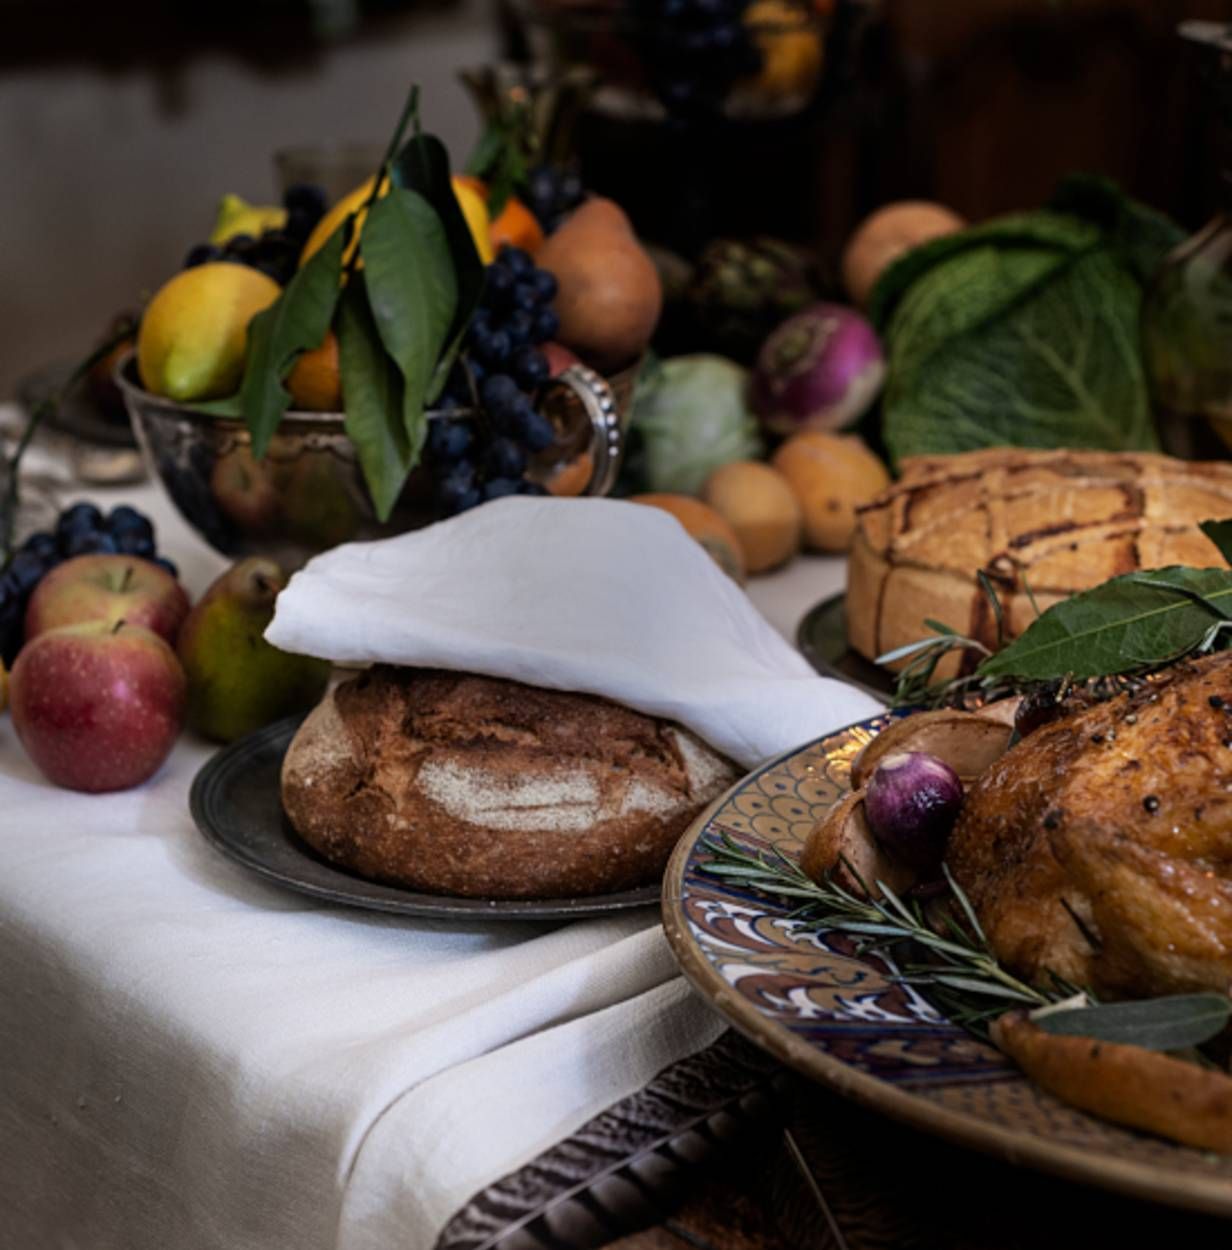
1099 847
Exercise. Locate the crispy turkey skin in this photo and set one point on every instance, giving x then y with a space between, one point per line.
1100 847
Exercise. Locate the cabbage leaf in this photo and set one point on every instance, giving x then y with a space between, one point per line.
1023 331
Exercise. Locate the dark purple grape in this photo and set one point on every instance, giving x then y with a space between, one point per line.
79 519
239 244
499 487
504 458
545 284
124 519
520 327
494 350
133 543
517 261
500 396
530 368
526 297
547 326
43 545
526 487
164 563
534 431
498 286
202 254
90 543
25 571
449 439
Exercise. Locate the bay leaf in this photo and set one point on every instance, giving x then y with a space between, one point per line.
422 164
372 398
1171 1023
1126 623
1220 533
294 323
412 292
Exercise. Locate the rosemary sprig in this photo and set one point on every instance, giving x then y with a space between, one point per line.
943 950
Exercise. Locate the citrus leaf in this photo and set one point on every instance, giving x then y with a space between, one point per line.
294 323
1172 1023
372 398
1128 622
422 165
1220 533
413 293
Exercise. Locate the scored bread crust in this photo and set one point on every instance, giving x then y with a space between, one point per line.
1038 524
460 784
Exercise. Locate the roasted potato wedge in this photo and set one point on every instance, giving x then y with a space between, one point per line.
844 839
1126 1084
967 741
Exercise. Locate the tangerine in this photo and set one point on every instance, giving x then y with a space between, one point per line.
316 382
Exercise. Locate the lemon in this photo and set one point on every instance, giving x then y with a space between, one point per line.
237 216
472 203
475 210
194 331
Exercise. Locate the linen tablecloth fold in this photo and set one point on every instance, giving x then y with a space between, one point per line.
193 1060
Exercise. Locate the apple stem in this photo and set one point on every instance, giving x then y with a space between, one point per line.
128 577
119 625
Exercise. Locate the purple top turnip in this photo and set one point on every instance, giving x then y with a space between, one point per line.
820 370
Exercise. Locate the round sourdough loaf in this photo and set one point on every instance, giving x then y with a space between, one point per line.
468 785
1039 525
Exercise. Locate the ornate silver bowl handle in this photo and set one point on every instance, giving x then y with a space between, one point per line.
607 431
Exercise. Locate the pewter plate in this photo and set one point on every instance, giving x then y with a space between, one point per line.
822 639
235 802
845 1021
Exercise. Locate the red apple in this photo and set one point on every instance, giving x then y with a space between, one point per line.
98 706
108 588
559 358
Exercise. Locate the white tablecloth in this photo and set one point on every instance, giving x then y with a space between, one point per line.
193 1060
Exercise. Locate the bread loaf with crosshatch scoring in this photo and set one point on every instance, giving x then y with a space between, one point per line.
460 784
1040 524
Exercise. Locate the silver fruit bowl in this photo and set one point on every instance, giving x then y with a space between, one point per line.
307 493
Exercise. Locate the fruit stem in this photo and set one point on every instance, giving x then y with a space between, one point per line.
409 110
119 625
128 577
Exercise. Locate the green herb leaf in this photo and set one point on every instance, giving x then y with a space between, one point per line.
1171 1023
413 294
1220 533
1127 623
423 165
295 323
372 396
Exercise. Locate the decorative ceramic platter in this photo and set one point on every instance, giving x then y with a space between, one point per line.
236 803
843 1021
822 639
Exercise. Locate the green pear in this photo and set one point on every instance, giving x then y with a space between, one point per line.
237 682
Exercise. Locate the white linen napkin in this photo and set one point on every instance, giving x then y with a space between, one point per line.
596 595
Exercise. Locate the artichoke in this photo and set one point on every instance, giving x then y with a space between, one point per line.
742 289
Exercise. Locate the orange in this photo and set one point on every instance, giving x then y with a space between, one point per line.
315 382
515 224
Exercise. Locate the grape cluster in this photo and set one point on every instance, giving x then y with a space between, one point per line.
695 51
503 368
551 192
80 530
275 253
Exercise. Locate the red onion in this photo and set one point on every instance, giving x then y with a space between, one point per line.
911 803
820 370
